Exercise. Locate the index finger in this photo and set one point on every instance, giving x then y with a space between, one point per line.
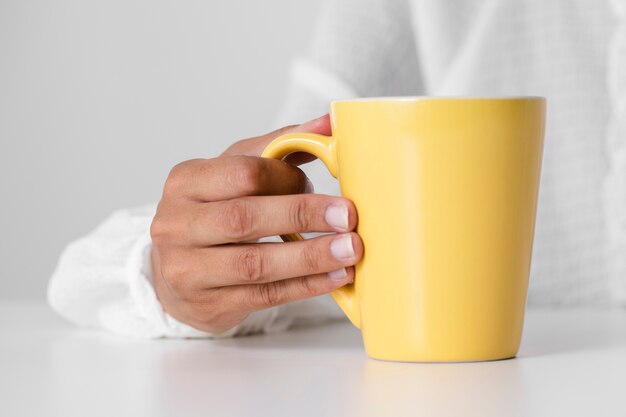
256 145
224 178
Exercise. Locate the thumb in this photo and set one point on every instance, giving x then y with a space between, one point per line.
256 145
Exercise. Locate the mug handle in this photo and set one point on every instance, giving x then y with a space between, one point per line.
322 147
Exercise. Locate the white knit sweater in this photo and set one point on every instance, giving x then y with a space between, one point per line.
571 51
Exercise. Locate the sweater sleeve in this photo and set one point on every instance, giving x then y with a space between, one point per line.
104 280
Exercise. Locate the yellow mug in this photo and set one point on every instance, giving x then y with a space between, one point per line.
446 193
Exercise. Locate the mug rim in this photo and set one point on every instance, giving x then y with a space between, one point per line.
420 98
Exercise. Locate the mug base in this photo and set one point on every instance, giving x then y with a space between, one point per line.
417 359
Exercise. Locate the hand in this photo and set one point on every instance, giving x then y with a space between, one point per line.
209 273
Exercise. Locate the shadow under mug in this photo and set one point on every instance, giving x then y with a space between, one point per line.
446 193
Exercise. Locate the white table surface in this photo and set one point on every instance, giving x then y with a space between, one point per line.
572 363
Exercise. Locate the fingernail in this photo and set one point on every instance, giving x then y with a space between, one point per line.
337 216
338 275
342 248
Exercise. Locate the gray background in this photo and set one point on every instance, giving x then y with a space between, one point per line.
98 99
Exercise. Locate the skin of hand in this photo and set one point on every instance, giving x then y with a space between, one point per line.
209 271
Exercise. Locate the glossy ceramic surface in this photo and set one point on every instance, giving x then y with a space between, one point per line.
446 193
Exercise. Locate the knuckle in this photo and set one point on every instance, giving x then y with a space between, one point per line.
299 213
159 229
250 264
271 294
307 288
236 219
178 175
310 258
248 174
180 169
172 184
168 225
175 273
